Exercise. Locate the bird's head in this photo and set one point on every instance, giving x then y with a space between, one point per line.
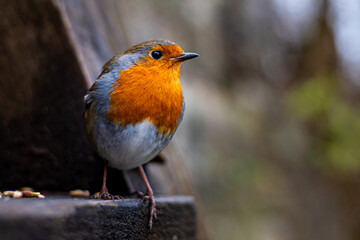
160 53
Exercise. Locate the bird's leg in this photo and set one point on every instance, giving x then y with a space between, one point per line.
149 196
104 193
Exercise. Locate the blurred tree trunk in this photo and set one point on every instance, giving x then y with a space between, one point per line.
318 55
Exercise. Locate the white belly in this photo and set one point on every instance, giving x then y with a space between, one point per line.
127 147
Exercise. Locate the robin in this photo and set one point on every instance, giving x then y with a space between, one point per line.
134 108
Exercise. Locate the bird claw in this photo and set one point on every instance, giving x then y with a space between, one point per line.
144 197
151 199
105 195
140 194
152 206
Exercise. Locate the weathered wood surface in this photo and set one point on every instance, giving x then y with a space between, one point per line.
64 218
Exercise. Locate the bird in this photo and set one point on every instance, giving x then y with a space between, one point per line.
134 107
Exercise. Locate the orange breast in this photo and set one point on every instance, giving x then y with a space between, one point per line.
147 92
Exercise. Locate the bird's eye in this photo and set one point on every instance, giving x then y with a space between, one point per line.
156 54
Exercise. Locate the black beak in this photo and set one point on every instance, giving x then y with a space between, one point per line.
186 56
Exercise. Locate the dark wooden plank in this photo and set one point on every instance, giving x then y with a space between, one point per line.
43 142
64 218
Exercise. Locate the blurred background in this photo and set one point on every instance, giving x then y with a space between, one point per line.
271 131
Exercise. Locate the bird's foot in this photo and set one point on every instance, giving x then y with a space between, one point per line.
151 199
104 194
